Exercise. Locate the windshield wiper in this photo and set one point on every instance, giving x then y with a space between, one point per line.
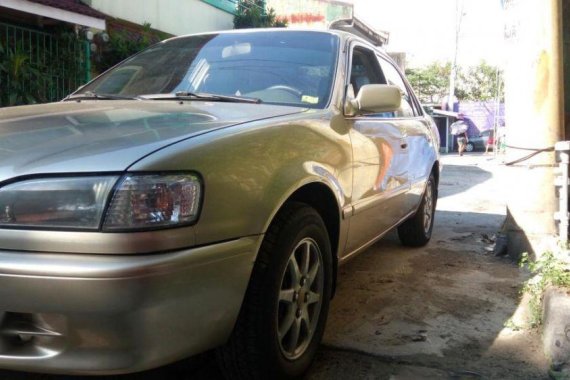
95 95
186 95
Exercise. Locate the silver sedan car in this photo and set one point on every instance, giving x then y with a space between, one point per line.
202 195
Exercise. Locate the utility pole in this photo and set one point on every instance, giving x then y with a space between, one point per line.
459 5
534 120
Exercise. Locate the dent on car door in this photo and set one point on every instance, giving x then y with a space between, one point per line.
422 158
417 134
380 155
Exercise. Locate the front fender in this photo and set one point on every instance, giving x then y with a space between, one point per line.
250 170
299 177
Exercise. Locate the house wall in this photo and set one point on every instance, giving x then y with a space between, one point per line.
311 13
176 17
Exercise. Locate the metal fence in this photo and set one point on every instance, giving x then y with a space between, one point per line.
37 67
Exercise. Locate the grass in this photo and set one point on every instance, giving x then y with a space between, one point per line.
548 271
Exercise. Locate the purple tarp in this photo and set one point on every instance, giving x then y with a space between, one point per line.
481 115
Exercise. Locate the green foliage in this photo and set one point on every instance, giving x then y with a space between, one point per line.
19 73
510 324
476 83
430 82
36 70
122 45
254 14
548 271
479 82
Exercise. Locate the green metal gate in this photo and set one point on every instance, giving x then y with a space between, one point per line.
37 67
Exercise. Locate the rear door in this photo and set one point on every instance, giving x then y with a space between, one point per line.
419 142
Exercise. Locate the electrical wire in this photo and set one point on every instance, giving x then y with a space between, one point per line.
534 151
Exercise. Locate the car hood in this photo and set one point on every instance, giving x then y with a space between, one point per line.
109 135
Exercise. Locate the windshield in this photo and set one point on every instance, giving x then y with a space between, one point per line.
279 67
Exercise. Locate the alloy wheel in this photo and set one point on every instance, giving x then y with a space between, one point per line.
300 299
428 208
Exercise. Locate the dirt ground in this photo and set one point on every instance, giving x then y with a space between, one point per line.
451 310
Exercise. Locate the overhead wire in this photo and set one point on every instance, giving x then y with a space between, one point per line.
535 152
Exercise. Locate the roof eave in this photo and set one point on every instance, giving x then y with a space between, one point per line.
54 13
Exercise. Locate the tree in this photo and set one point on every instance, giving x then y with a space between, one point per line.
254 14
430 82
480 83
477 83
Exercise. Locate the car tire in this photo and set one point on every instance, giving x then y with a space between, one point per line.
417 230
469 147
284 311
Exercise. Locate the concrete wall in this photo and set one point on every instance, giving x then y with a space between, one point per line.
176 17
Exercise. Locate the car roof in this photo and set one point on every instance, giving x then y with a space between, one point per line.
343 35
345 38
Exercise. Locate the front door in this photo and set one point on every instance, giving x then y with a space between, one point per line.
381 159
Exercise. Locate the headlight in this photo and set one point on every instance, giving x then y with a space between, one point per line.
67 203
137 202
154 201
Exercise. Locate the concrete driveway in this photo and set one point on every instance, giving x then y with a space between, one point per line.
450 310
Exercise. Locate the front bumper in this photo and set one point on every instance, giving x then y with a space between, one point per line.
106 314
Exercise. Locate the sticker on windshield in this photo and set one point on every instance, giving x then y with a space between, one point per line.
310 99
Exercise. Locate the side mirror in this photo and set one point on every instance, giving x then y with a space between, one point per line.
374 98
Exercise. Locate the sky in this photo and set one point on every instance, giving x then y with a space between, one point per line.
425 29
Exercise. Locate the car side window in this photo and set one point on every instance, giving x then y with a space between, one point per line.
394 78
364 69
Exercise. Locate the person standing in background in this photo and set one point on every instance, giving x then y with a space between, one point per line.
462 141
459 129
490 141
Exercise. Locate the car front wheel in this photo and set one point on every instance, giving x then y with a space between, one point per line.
285 309
469 147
